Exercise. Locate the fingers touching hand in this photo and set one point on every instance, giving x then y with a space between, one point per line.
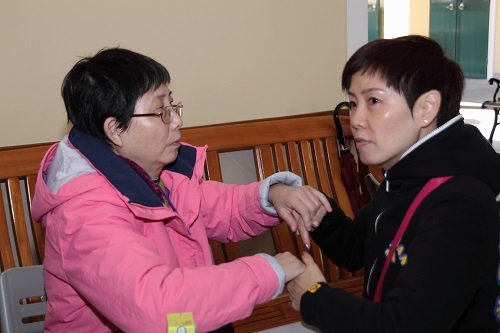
290 264
302 208
298 286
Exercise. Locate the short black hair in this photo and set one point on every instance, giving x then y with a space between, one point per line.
109 85
412 65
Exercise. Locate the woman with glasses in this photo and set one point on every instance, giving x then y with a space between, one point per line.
128 214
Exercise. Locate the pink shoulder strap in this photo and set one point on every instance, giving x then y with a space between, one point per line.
430 186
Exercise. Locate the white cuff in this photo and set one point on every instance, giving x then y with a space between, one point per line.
278 269
284 177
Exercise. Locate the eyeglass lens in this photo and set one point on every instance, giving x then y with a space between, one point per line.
168 115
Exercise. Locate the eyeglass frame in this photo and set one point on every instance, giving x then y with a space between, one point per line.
175 108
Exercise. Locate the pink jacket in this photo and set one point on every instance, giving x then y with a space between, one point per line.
112 264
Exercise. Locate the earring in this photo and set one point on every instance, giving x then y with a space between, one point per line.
425 121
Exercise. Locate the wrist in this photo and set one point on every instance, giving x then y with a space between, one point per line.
284 177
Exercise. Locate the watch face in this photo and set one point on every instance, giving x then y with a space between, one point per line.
312 289
181 329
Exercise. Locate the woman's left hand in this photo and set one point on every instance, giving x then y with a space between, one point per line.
301 207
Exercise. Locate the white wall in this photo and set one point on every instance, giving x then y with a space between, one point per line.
229 60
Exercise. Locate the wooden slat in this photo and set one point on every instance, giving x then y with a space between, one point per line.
19 222
339 190
321 167
212 169
38 230
216 252
6 255
330 271
281 159
230 251
282 239
307 164
265 161
294 165
266 167
213 166
293 158
309 177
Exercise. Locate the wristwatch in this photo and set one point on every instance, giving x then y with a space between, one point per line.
312 289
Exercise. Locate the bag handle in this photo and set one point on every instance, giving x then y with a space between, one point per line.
430 186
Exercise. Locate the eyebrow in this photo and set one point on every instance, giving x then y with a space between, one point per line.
367 90
162 96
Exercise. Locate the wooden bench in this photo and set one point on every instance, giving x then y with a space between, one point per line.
304 144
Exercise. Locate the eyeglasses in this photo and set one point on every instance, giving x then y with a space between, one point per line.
166 113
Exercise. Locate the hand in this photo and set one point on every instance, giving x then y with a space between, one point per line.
302 207
290 264
298 286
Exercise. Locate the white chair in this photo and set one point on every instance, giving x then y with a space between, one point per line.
22 300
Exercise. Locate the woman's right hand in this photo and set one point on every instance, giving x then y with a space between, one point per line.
292 266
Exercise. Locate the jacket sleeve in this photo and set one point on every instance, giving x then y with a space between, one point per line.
342 239
120 272
446 261
233 212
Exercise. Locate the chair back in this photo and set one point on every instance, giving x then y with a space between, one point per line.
22 300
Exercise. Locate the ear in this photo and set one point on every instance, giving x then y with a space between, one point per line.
112 131
427 108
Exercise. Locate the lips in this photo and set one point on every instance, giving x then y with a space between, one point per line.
177 142
360 142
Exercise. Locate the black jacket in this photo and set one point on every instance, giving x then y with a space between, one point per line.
450 251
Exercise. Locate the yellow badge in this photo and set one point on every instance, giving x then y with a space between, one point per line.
312 289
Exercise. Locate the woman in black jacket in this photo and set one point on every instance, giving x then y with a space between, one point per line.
405 97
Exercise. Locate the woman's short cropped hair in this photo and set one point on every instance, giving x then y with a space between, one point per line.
109 85
411 65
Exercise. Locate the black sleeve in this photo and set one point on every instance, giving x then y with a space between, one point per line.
321 309
342 239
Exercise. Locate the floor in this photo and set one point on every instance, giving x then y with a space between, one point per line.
298 327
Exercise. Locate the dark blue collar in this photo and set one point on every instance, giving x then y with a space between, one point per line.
120 175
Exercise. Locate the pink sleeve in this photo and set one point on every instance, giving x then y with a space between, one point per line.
233 212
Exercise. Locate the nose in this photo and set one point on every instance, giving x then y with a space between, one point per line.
176 122
356 117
